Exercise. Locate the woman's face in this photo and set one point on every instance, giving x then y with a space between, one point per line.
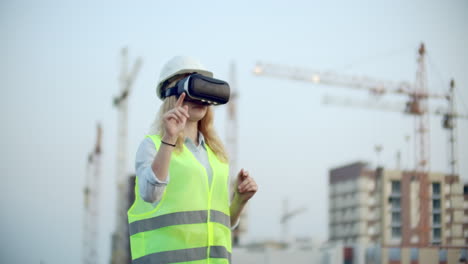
196 110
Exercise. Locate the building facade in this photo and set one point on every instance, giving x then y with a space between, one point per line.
402 212
465 217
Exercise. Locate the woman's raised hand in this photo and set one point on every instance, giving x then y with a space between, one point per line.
175 119
246 187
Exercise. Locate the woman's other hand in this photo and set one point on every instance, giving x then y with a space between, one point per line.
246 187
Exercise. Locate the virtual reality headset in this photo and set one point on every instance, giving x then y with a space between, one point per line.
200 89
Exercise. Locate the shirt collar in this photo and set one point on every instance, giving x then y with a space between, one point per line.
201 140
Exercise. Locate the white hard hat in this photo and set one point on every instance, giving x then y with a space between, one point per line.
180 65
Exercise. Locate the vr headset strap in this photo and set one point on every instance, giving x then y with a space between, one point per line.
170 92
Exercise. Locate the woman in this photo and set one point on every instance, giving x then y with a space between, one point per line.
182 212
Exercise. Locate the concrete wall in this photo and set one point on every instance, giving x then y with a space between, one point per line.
384 259
429 256
243 256
405 256
453 256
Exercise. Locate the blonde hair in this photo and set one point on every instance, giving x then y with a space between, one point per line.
205 126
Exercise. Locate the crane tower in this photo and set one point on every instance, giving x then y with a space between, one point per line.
91 202
120 239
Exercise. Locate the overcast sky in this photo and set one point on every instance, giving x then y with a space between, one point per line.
58 74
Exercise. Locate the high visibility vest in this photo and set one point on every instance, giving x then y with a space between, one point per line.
191 223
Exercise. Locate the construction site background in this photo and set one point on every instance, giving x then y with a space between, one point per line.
61 75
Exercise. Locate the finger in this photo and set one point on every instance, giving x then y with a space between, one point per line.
179 114
245 183
241 172
184 111
245 175
251 187
173 116
180 101
242 185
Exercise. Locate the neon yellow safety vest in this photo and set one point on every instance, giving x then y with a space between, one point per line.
191 223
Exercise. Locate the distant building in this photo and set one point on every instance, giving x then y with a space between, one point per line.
402 212
465 207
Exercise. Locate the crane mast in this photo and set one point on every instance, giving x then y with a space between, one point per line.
91 202
449 122
420 110
120 240
232 128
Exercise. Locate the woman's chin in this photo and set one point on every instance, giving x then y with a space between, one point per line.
196 115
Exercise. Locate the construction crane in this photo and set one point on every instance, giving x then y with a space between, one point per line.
231 136
417 106
120 239
232 124
448 114
232 128
91 202
286 216
416 92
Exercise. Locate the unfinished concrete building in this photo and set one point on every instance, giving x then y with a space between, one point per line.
406 215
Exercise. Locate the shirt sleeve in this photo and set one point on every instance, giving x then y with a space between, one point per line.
233 227
231 194
151 188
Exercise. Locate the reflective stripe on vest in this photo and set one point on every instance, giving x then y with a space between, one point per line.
191 223
183 255
179 218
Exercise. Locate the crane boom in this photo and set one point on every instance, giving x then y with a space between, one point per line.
286 216
385 106
374 86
